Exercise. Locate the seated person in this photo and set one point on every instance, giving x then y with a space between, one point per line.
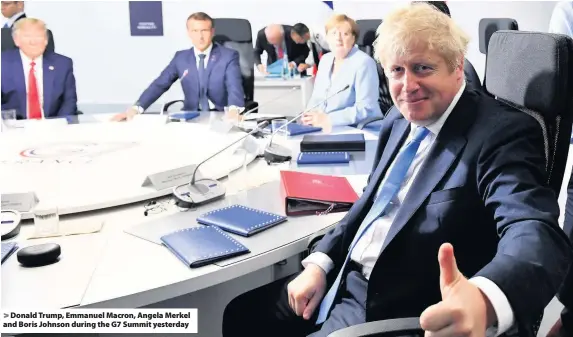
209 73
277 40
455 169
344 65
34 83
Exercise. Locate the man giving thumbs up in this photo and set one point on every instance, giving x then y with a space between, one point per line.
464 309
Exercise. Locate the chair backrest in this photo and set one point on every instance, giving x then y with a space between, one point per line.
533 72
8 41
488 26
236 34
472 79
367 35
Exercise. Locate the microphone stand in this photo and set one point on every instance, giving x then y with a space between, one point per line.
202 191
276 153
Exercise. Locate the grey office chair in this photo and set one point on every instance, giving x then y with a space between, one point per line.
8 41
488 26
236 34
532 72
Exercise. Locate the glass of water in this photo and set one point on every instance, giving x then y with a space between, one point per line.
278 126
46 219
8 119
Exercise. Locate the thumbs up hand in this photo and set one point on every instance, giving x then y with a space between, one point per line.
464 309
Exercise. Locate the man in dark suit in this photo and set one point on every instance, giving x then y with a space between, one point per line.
12 11
454 169
37 84
277 40
209 73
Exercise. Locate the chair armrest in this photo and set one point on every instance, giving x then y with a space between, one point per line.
385 328
367 121
249 105
168 104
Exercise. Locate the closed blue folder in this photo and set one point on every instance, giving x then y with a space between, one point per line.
241 220
199 246
7 250
184 115
295 129
323 158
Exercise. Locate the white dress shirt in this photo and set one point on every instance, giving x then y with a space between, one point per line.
318 37
39 72
207 53
10 21
562 19
368 248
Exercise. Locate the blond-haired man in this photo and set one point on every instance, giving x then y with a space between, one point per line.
455 169
36 83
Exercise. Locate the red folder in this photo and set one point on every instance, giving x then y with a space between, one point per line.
307 193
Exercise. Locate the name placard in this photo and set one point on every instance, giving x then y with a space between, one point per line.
21 202
171 178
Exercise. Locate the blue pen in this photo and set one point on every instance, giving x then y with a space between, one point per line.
6 221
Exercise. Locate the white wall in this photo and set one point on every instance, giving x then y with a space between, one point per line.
113 67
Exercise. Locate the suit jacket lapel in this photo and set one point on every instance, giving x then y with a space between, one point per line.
48 72
446 148
212 63
399 133
20 84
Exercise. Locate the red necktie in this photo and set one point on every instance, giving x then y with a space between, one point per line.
281 53
34 108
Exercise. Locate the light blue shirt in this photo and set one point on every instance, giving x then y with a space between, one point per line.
359 101
562 19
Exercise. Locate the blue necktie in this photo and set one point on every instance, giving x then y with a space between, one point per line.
203 101
6 25
388 191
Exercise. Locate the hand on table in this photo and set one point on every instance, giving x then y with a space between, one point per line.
127 115
307 290
464 309
317 118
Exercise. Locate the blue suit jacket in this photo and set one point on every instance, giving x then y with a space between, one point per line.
483 189
224 81
356 103
59 85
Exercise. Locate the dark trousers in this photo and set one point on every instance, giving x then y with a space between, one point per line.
266 312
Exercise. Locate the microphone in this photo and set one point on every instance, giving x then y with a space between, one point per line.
246 127
275 153
185 72
202 191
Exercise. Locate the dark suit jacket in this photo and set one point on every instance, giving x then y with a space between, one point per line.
23 16
482 188
59 85
224 81
296 52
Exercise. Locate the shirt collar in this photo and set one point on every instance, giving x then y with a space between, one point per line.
207 52
436 126
26 60
14 17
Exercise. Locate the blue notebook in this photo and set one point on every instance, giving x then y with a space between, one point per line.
199 246
183 115
7 250
323 158
295 129
241 220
